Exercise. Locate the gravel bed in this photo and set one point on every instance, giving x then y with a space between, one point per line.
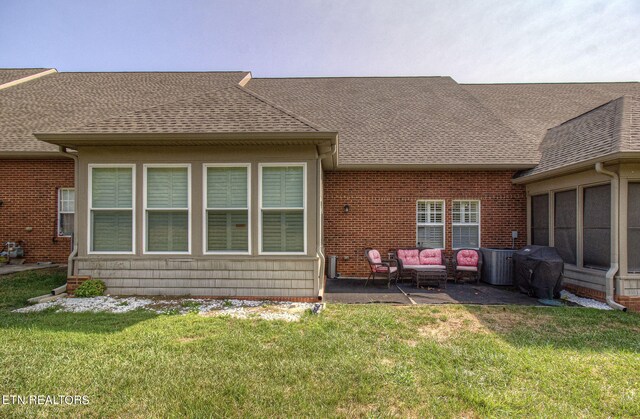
244 309
584 302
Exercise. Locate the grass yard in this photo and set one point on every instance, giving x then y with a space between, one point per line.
363 361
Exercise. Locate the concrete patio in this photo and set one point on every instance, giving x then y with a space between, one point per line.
353 291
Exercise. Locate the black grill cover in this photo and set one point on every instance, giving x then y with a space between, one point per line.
537 271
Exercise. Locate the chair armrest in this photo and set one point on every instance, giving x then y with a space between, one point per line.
391 262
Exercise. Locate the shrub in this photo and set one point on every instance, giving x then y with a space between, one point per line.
91 288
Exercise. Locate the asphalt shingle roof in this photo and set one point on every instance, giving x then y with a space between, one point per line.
401 120
531 109
228 110
11 74
63 100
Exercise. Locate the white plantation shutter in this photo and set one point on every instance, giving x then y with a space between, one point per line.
167 231
465 224
226 187
227 204
283 231
112 231
282 187
167 209
111 209
283 209
167 187
227 231
112 187
430 224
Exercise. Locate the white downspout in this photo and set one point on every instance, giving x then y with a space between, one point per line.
320 218
74 252
615 245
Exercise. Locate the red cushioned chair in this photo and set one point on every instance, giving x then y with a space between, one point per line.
386 268
467 262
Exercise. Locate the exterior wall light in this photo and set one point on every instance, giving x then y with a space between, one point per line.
346 208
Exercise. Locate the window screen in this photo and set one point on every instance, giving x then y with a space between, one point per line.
283 208
597 227
540 220
565 225
633 227
430 224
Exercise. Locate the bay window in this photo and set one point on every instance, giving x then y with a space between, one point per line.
282 208
167 208
111 208
227 209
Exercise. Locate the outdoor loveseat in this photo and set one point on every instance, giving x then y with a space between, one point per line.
422 264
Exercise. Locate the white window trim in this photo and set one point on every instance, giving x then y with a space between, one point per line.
304 206
145 209
467 224
205 233
132 209
429 224
60 211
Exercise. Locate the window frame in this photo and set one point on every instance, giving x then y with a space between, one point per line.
205 211
61 211
145 209
479 223
552 223
132 209
429 224
304 207
581 210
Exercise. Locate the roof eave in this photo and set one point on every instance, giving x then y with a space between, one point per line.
437 166
205 138
577 167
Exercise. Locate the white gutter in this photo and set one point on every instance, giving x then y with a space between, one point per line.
28 78
320 219
615 246
74 252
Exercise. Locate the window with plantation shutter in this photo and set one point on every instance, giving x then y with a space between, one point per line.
227 208
167 200
111 190
66 210
465 224
430 224
282 209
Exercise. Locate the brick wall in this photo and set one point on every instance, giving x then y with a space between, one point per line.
383 210
29 194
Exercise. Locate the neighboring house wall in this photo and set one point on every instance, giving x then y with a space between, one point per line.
197 273
382 210
578 277
29 193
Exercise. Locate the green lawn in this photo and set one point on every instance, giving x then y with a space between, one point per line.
360 360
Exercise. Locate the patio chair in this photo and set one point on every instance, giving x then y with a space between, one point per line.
467 262
379 266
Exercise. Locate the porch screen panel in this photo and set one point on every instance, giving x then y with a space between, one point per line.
633 227
283 209
540 220
167 209
111 209
597 227
227 209
565 225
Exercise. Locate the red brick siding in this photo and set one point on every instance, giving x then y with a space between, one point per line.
30 199
631 303
383 210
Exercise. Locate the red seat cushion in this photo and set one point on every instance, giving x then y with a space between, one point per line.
431 257
467 257
384 269
409 256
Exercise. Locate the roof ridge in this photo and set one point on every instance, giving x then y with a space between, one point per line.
152 72
556 83
587 112
349 77
301 119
